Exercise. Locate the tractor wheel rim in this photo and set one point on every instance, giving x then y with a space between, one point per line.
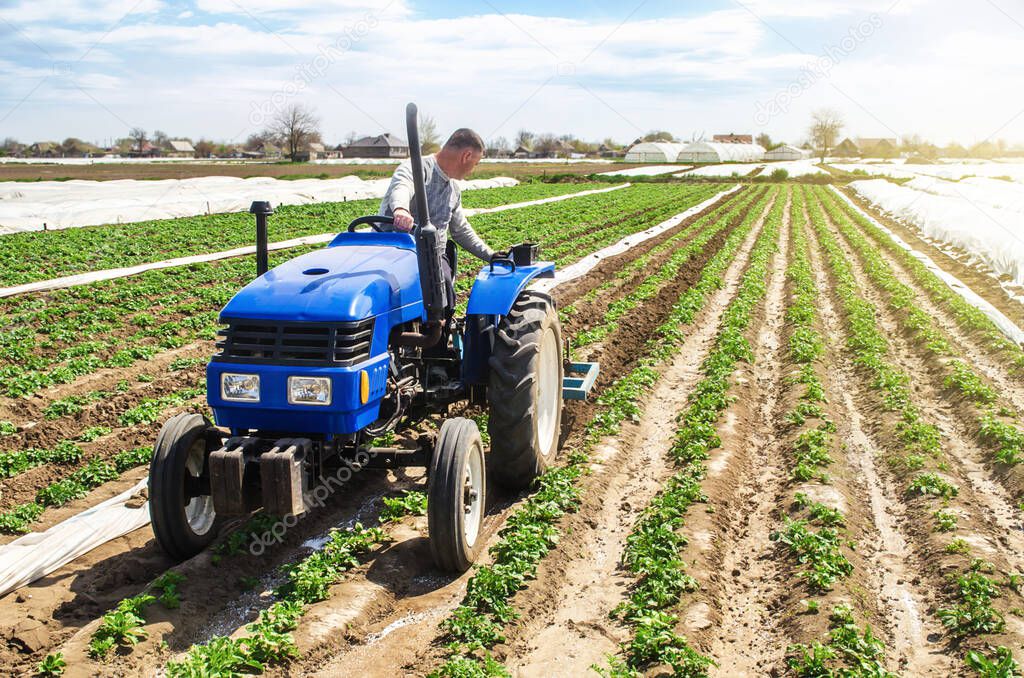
548 393
199 512
472 496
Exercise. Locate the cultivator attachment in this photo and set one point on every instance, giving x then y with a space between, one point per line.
579 380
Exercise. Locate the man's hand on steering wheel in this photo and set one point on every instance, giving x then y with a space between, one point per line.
403 220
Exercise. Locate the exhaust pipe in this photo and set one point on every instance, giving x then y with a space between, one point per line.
428 242
262 210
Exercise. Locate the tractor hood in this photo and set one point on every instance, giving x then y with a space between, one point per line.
358 276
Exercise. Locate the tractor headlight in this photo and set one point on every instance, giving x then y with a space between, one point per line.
309 390
240 387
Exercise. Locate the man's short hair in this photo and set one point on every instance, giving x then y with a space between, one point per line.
464 139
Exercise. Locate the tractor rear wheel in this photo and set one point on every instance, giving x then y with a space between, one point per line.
457 495
183 518
525 391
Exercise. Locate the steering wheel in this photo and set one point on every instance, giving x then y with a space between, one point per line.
374 221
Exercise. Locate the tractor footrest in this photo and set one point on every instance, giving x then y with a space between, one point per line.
227 476
283 477
579 380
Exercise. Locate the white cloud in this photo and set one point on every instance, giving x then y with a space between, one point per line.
821 9
292 10
89 12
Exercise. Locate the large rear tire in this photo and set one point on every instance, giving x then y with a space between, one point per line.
457 495
183 525
525 391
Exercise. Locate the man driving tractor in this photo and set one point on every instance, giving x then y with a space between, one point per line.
456 159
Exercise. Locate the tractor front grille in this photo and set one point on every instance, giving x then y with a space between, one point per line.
295 343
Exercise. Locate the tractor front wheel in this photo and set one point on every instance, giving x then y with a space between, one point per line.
457 495
525 391
183 518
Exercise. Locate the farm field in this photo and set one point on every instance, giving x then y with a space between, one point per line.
803 457
285 170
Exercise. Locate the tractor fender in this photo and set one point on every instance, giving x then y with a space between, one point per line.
498 285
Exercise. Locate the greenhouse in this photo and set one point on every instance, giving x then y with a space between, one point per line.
787 152
654 151
709 151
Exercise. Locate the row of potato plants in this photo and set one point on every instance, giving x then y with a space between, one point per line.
478 623
654 547
971 613
848 650
649 287
76 485
55 338
716 219
39 255
565 239
643 261
89 475
969 317
994 425
575 239
920 439
268 641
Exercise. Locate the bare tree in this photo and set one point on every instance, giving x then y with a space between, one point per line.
430 140
547 144
826 124
498 147
525 138
138 137
295 126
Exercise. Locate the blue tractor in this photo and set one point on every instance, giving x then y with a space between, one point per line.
323 356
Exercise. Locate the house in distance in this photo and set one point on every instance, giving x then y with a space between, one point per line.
380 146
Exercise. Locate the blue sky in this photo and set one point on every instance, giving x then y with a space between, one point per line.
219 68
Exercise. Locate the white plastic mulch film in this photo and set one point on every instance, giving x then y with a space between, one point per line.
1005 325
984 218
954 170
38 554
794 168
68 204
